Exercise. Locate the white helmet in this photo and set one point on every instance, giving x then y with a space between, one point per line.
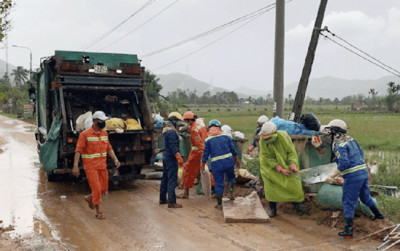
261 120
338 123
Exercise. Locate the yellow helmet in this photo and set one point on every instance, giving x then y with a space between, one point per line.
176 115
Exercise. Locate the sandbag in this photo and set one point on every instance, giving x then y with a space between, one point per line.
206 182
114 123
310 121
132 124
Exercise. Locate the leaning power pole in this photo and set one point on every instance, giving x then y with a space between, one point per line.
305 75
279 57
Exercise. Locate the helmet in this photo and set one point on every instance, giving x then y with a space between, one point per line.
227 129
261 120
188 115
338 124
214 122
267 128
177 115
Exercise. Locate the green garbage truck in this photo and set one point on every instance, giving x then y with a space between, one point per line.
71 84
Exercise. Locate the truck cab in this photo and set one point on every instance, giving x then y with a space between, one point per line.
73 83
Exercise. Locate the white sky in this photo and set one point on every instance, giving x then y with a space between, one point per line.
243 58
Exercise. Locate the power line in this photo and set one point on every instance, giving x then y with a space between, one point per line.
148 20
218 28
363 52
361 56
211 43
98 39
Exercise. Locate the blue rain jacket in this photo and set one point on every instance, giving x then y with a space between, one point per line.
171 145
348 155
221 151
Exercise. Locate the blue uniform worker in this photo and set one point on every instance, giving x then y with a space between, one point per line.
219 148
350 160
171 160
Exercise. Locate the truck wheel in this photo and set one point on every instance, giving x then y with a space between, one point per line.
51 177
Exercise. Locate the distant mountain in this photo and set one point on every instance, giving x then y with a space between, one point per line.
331 87
173 81
325 87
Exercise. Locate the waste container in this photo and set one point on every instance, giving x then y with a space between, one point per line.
309 155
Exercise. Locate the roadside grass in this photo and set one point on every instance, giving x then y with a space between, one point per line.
390 207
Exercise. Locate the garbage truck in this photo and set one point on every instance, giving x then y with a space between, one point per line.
71 84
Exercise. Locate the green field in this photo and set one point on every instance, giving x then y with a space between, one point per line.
373 131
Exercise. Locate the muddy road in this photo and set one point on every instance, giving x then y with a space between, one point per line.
54 216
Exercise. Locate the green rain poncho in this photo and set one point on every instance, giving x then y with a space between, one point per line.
279 149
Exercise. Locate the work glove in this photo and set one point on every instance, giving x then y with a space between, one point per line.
282 170
179 159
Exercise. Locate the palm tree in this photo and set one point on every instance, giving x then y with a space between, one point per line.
20 75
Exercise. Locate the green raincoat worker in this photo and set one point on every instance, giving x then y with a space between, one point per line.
278 160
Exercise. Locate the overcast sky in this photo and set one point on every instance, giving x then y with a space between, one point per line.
242 58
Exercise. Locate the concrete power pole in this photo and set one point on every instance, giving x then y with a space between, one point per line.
305 75
279 57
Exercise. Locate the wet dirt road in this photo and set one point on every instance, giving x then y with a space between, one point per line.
57 215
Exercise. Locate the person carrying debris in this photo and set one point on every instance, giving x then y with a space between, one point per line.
219 147
198 133
260 121
94 147
171 160
349 157
278 160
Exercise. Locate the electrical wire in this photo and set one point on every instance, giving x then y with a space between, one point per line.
361 56
218 28
211 43
363 52
98 39
147 21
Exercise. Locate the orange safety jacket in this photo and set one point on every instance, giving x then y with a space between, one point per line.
93 148
198 133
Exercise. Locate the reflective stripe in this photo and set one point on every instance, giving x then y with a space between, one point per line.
354 169
104 137
225 156
195 148
92 156
92 139
198 128
211 137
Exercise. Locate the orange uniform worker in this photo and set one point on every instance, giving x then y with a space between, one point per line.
93 146
198 133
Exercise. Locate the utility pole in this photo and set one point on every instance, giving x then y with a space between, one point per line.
279 57
305 75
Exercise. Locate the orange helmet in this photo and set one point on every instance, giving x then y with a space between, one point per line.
188 115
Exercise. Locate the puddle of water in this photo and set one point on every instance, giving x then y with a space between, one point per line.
18 186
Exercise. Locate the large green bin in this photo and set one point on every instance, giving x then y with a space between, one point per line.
309 155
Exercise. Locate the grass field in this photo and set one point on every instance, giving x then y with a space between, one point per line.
371 130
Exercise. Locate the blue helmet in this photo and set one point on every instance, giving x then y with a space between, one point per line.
214 122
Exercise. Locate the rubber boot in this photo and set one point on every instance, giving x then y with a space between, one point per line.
377 214
231 186
298 206
348 229
272 209
219 201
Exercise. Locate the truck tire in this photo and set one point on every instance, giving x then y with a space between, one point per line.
51 177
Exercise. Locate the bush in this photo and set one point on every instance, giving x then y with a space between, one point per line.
209 110
228 110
